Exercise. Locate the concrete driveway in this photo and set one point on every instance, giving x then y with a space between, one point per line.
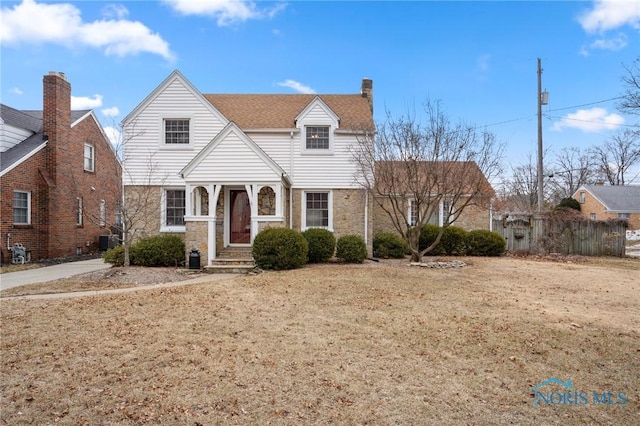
50 273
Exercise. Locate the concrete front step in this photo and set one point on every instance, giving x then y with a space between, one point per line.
229 269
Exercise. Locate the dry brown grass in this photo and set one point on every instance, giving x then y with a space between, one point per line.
370 344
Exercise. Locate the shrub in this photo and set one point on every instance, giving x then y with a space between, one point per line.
428 235
453 240
322 244
158 250
351 249
570 203
388 244
114 256
485 243
280 249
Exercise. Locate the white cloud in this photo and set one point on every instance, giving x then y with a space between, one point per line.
16 91
297 86
590 120
111 112
226 12
610 14
113 134
61 23
115 11
614 43
84 102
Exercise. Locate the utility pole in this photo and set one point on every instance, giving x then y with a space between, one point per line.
542 100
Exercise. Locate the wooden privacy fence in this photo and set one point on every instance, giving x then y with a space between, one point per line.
528 233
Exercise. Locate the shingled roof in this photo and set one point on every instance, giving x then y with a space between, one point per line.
280 111
616 198
30 120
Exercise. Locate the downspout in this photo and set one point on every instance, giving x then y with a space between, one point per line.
366 217
291 156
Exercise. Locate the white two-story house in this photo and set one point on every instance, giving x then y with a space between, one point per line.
222 167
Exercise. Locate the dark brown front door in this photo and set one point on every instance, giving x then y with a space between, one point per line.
240 217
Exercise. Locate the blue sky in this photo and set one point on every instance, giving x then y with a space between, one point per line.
479 58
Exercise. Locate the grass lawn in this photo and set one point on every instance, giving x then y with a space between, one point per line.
379 343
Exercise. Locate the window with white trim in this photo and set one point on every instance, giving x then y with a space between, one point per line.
79 211
317 138
89 157
582 197
317 210
592 216
623 216
21 207
103 213
176 131
438 216
413 212
174 208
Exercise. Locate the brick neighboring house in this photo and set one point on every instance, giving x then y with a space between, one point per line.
461 183
600 202
60 177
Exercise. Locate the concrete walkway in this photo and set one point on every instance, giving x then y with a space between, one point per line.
66 270
50 273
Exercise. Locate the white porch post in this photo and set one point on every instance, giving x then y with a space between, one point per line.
188 196
214 193
279 200
252 192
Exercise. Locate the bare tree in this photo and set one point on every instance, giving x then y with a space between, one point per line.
520 191
630 102
620 153
410 168
572 169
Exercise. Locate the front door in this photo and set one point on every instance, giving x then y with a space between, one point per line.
240 217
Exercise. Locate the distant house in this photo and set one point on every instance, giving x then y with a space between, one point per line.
60 177
600 202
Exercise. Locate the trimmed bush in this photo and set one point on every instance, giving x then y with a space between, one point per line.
453 240
389 245
351 249
158 250
322 244
114 256
570 203
280 249
485 243
428 235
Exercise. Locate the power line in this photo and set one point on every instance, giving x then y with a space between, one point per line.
557 109
589 121
583 105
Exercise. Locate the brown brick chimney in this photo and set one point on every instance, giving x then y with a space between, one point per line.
366 90
56 116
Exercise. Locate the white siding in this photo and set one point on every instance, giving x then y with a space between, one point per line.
10 136
144 159
232 161
317 116
335 170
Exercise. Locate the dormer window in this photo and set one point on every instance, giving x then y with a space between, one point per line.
317 137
